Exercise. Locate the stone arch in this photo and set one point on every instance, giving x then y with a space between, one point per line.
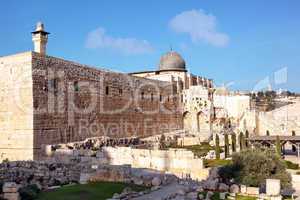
187 120
203 125
200 120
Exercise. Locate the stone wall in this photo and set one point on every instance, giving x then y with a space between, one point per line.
180 162
44 174
280 121
16 108
198 111
88 102
234 106
47 100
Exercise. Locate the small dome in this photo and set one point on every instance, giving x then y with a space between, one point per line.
39 26
172 61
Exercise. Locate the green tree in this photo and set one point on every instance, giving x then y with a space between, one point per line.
278 146
268 133
217 147
233 142
226 146
253 166
293 133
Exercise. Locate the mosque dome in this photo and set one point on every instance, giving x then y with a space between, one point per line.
172 61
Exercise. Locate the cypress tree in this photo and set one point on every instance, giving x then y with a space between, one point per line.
226 146
247 137
294 149
233 142
278 146
242 141
217 147
268 133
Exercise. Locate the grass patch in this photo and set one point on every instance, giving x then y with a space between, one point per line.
291 165
216 163
240 197
216 196
199 150
91 191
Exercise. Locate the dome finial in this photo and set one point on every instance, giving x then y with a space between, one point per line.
171 48
39 26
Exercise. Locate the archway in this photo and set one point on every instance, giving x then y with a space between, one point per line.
187 120
202 124
200 121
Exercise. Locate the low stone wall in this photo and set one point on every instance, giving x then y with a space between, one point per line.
48 174
180 162
188 141
44 174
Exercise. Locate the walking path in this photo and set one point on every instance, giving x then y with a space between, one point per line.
161 193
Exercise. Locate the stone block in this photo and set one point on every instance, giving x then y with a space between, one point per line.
234 188
243 189
273 187
84 178
278 197
12 196
222 195
10 187
252 190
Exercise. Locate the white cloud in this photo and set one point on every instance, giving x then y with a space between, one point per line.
200 26
100 39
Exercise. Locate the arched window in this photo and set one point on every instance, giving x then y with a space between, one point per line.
142 95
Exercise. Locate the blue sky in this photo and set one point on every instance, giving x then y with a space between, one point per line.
236 42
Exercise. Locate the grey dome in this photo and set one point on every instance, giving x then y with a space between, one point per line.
172 61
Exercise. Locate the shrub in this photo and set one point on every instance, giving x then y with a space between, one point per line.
29 192
198 150
253 166
216 163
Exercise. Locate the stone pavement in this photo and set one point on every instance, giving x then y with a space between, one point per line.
161 193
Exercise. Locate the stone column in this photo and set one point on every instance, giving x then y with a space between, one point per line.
273 187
